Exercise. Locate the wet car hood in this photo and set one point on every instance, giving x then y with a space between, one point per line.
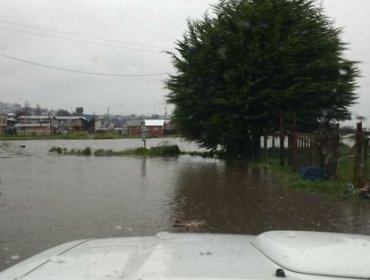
302 255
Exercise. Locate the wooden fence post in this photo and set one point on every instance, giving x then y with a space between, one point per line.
365 157
357 178
281 140
265 145
294 143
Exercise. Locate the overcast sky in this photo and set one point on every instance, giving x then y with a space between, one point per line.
125 37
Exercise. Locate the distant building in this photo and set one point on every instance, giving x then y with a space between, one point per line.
33 129
102 123
134 127
36 119
153 128
3 123
11 122
35 125
70 123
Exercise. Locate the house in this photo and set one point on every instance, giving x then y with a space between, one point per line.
3 123
70 123
36 120
134 127
153 128
102 123
11 122
35 125
33 128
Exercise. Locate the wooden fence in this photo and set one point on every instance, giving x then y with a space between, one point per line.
301 150
360 166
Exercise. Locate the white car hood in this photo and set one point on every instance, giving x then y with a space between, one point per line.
198 256
328 254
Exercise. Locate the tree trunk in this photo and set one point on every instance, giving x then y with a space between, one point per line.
256 146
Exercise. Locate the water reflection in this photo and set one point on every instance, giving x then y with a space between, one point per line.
143 167
233 198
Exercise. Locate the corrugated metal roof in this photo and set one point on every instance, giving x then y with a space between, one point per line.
32 125
34 117
69 117
154 122
132 123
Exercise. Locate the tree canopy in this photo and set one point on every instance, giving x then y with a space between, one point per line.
251 61
62 112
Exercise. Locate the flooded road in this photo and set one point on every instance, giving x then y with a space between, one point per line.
47 199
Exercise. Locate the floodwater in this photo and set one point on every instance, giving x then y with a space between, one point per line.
46 199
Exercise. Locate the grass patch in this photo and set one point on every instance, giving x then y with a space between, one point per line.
338 187
64 151
160 151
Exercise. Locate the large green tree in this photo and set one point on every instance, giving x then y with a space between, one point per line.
250 62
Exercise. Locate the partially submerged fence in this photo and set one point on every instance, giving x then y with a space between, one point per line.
360 165
309 149
299 150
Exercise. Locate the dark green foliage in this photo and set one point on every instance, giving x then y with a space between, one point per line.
64 151
104 153
165 150
250 62
160 151
57 150
87 151
62 112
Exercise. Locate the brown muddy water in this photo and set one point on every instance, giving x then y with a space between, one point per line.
47 199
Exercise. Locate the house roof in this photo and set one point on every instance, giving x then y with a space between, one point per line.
89 117
69 117
132 123
35 117
32 125
135 123
154 122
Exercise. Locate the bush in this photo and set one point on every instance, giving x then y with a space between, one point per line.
87 151
164 151
161 151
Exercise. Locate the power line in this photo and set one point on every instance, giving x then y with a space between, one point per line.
99 73
28 32
80 71
84 41
40 28
85 35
